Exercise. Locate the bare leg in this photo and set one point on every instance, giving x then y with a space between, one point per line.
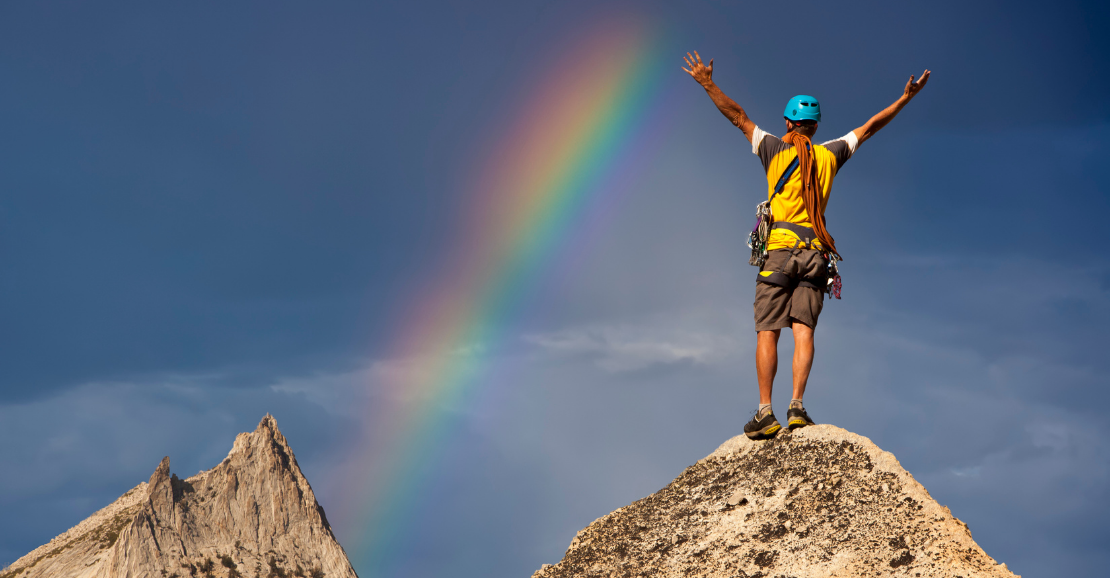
803 358
766 362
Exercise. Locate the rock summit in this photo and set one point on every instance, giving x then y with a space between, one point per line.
820 502
253 515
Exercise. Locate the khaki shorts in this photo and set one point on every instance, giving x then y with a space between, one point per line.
777 307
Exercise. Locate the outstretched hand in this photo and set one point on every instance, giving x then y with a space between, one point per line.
701 72
912 88
880 120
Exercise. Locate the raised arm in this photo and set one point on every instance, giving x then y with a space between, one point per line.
879 120
728 107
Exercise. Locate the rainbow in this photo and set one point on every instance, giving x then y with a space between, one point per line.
557 168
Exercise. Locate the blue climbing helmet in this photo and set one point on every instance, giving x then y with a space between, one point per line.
803 107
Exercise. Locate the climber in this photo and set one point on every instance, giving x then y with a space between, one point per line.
793 279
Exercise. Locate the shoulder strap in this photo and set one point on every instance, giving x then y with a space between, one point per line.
785 177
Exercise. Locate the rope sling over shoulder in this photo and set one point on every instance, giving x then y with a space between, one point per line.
764 223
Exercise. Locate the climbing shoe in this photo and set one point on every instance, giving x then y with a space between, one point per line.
762 428
797 417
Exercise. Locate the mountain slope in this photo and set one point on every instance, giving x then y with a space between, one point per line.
252 515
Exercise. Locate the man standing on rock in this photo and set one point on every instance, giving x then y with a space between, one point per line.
794 277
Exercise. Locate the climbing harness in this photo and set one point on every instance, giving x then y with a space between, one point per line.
806 235
779 278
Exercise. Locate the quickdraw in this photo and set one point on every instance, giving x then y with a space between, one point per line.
757 240
834 284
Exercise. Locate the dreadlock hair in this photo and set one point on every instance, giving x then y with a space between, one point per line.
803 147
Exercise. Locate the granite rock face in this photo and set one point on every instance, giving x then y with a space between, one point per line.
253 515
819 502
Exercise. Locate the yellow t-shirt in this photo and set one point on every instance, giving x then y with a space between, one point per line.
788 205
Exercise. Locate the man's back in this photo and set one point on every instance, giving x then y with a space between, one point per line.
789 206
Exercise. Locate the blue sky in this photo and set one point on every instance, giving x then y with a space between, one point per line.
208 213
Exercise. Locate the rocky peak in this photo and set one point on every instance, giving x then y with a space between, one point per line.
820 502
253 515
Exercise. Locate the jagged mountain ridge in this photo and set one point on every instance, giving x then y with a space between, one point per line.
820 502
253 515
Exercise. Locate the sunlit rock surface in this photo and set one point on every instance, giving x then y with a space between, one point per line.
820 502
252 515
